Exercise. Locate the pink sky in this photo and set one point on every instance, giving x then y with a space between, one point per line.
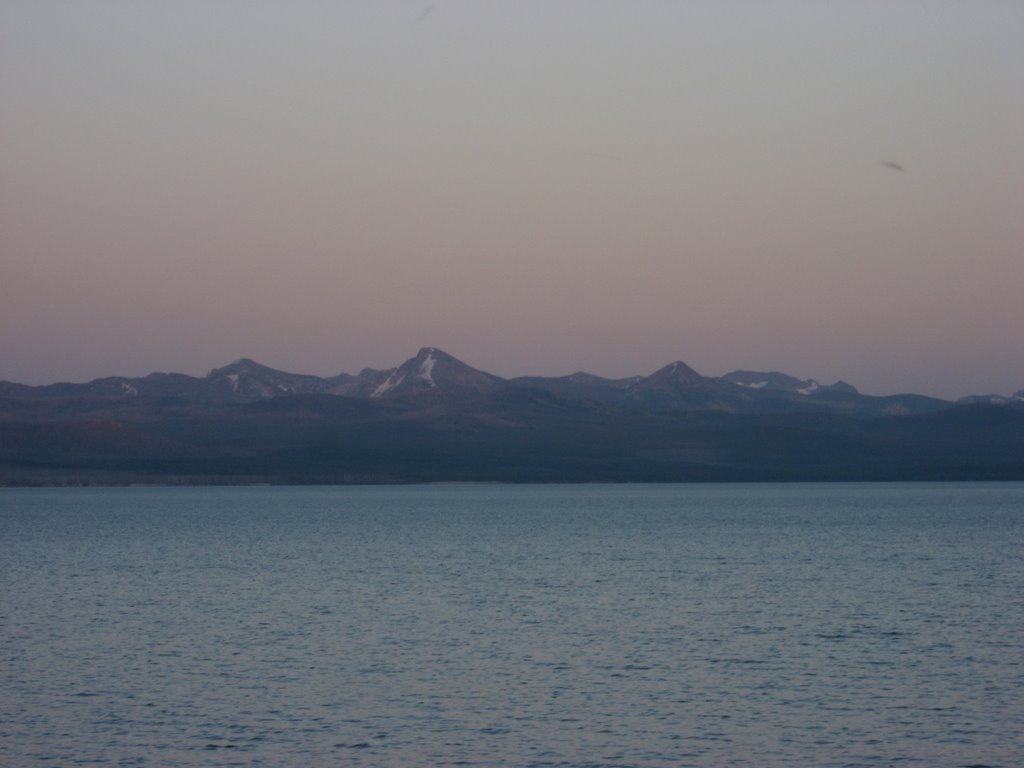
535 187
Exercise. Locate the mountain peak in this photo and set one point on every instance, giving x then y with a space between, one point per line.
434 369
246 378
676 371
241 365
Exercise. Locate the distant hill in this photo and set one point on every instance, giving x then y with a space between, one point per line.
435 418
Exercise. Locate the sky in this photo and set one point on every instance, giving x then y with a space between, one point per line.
536 187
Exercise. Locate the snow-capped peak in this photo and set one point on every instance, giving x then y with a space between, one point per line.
433 369
677 371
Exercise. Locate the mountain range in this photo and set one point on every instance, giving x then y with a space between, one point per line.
435 418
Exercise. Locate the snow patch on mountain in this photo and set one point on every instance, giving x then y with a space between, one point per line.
991 399
426 367
389 383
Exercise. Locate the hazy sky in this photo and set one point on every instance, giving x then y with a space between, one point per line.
536 187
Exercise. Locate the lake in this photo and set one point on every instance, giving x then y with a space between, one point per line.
502 625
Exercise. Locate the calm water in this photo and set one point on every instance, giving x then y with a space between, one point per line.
781 625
